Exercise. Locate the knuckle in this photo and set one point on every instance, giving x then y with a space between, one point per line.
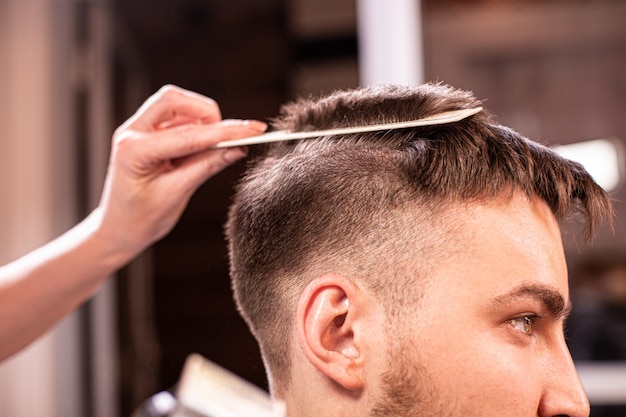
212 164
169 89
192 139
124 142
168 92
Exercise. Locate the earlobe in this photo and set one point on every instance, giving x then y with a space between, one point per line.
326 318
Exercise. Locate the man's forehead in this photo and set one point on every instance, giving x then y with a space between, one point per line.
505 249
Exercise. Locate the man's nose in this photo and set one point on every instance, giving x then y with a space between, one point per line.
563 393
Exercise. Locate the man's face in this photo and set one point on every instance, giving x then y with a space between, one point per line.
487 337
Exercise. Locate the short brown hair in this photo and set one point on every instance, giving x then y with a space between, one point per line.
339 203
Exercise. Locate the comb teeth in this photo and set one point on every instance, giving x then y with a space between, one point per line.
212 391
278 136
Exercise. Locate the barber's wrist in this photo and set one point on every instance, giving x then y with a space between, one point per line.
113 246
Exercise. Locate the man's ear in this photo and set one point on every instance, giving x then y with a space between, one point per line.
327 319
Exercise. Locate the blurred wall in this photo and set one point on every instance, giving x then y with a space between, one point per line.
553 70
37 189
54 138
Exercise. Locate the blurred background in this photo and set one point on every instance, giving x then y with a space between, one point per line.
71 71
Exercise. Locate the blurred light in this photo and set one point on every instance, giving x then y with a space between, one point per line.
599 157
605 383
390 42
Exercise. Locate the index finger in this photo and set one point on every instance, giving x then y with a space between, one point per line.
188 139
173 103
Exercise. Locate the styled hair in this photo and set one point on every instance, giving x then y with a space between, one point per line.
368 204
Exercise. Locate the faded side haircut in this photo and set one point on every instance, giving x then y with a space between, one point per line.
369 204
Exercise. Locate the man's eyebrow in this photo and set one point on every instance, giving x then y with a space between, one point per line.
552 300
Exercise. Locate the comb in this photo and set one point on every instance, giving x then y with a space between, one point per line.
281 135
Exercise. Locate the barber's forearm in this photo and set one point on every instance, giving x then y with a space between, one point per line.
39 289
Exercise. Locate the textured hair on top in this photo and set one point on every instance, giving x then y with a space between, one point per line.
367 204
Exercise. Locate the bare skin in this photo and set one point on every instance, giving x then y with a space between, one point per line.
160 156
486 339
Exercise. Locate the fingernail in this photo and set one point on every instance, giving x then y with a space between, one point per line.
234 154
256 125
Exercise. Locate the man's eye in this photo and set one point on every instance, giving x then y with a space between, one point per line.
523 324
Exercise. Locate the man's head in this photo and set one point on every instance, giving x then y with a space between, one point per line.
409 271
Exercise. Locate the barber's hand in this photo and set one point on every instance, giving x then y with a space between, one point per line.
160 156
